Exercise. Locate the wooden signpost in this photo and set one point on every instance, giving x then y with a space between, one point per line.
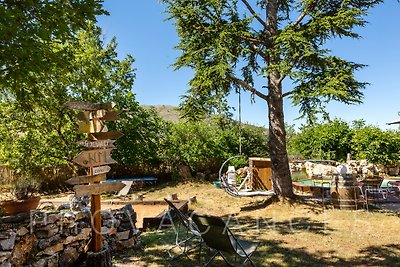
90 106
103 114
92 126
100 145
105 135
87 190
97 143
86 179
101 169
93 158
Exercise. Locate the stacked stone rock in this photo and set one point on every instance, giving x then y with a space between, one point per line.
358 167
44 238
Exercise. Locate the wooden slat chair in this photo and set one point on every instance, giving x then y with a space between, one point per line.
219 237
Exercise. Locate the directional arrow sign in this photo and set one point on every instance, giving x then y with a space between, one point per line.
105 135
97 144
89 106
111 116
86 179
101 169
84 116
89 115
86 190
92 126
92 158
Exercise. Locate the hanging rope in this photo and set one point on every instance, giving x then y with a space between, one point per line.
240 123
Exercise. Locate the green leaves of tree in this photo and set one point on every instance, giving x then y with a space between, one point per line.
41 133
30 31
228 45
333 140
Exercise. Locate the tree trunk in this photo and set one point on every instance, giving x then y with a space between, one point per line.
281 178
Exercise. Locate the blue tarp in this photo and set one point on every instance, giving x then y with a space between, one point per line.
138 179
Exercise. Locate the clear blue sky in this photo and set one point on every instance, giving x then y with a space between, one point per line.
141 30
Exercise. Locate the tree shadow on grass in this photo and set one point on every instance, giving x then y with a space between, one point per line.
316 205
385 255
286 227
269 253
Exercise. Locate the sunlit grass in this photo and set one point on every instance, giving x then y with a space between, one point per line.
289 234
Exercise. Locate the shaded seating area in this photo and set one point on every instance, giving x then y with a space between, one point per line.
220 238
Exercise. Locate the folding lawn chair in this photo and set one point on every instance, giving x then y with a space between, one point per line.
218 236
373 187
184 244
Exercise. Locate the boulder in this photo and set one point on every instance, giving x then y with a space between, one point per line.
319 169
9 242
52 250
83 235
123 235
68 257
47 242
23 250
22 231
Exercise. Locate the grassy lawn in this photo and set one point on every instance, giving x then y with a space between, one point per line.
289 234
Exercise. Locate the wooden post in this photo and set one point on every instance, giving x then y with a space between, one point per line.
95 210
95 219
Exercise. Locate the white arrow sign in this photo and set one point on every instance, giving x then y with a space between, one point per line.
101 169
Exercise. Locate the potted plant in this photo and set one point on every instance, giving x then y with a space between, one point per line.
23 196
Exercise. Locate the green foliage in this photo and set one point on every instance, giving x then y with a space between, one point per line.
203 146
195 144
25 187
330 140
31 33
229 44
376 146
42 133
144 135
333 140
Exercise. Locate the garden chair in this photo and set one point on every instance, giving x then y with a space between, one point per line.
184 244
219 237
373 186
361 196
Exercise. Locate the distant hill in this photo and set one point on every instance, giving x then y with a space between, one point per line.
172 113
168 113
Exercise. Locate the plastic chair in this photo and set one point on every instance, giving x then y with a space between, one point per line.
192 232
373 186
219 237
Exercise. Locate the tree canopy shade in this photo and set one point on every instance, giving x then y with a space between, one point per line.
230 42
31 31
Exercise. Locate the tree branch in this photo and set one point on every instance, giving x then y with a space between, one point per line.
288 93
253 12
249 88
261 53
303 14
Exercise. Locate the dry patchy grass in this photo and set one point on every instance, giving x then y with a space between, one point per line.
289 234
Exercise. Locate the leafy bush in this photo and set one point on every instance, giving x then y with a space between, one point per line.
203 146
24 187
376 146
330 140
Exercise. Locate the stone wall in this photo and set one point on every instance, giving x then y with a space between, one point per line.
358 167
48 238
